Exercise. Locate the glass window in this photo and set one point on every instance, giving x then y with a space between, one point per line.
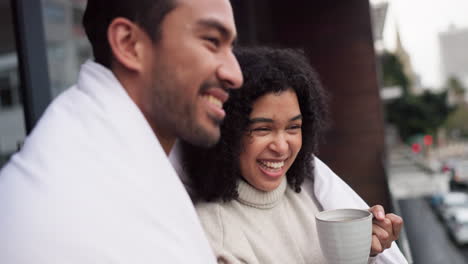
12 125
67 45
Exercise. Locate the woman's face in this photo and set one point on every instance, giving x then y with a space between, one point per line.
273 140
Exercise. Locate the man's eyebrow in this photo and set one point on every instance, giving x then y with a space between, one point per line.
224 31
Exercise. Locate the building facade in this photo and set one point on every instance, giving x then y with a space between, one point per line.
454 55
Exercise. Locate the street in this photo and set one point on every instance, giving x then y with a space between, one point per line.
412 180
429 240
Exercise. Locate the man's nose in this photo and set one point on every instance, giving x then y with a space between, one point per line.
230 72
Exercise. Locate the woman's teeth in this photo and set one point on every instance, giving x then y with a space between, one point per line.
214 101
272 165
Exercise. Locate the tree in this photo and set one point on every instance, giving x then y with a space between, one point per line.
422 114
392 71
457 122
454 85
412 114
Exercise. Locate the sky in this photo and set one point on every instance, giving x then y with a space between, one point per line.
419 23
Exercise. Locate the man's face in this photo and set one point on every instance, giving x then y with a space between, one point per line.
191 69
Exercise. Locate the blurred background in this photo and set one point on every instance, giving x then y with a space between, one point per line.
396 70
41 49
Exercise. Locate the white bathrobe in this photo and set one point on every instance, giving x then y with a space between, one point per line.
93 185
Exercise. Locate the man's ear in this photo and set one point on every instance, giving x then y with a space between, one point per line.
126 40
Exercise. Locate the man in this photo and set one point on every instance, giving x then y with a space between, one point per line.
93 183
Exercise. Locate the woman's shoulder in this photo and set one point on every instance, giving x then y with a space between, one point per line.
218 221
208 209
213 215
210 217
225 232
219 216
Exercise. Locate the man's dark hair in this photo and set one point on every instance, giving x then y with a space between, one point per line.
214 173
148 14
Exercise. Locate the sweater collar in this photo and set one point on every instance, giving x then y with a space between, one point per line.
250 196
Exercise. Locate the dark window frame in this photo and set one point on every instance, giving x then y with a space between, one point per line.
32 59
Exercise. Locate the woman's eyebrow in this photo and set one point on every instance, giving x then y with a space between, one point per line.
260 120
299 116
269 120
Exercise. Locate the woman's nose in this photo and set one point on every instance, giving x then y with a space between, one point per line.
280 144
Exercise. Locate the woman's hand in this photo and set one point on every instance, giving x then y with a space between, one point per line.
385 229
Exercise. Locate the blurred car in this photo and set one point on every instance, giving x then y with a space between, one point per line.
446 204
457 225
461 171
458 169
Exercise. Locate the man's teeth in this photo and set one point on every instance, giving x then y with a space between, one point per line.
272 165
214 101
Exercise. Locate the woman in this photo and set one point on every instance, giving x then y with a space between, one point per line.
249 186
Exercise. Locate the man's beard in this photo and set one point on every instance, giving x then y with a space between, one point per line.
196 134
180 116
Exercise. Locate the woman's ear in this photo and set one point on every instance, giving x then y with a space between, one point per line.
126 40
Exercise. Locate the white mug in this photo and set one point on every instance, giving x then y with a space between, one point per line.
345 235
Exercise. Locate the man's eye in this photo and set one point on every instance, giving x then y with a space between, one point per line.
213 41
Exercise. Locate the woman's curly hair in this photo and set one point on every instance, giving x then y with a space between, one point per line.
214 172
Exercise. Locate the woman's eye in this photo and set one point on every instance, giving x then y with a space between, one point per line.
261 129
295 127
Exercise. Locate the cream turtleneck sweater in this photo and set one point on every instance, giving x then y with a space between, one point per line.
263 227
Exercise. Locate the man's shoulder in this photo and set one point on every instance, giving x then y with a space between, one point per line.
67 108
65 139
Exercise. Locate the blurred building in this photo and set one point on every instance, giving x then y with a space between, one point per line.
454 55
378 19
379 12
405 59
